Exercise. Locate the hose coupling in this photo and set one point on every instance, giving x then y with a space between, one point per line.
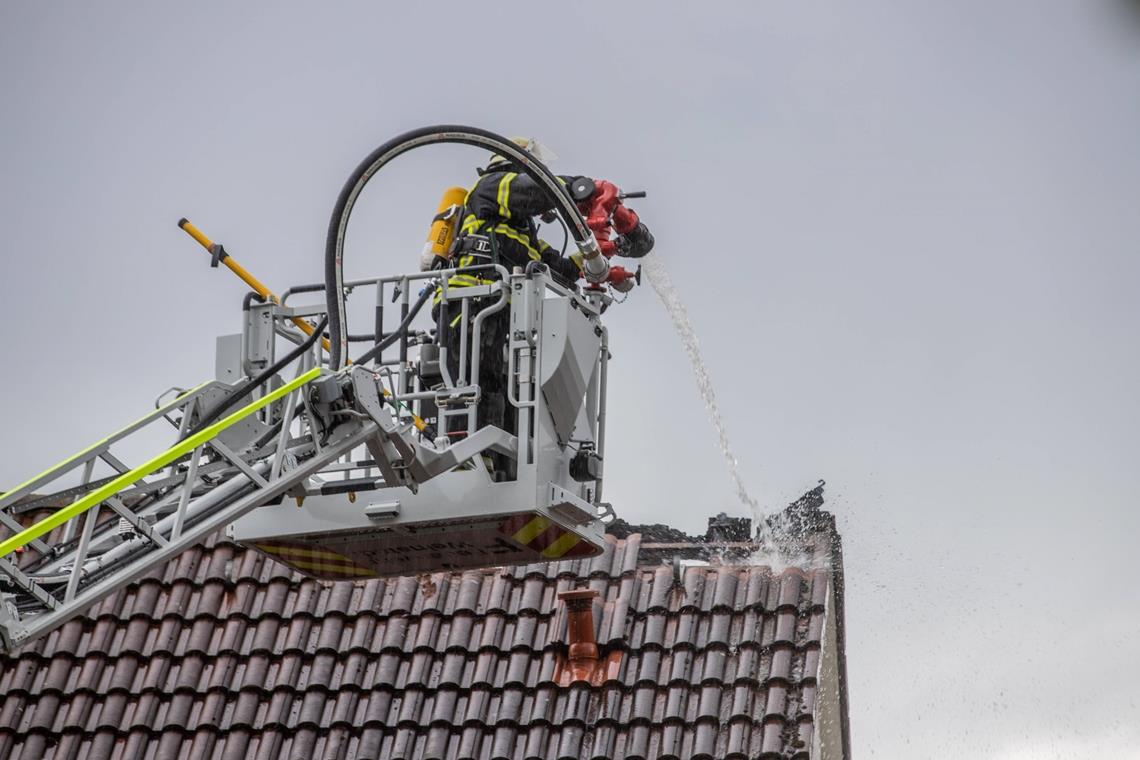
595 266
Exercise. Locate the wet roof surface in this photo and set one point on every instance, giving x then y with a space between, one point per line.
224 653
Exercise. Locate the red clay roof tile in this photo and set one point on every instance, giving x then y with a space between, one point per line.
225 654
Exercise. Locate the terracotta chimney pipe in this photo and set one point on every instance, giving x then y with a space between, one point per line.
583 649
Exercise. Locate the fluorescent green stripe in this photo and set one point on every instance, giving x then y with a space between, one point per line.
155 414
160 461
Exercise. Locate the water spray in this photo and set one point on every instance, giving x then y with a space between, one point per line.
658 277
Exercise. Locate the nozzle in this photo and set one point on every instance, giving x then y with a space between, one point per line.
622 279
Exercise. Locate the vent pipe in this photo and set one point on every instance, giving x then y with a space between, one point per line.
583 648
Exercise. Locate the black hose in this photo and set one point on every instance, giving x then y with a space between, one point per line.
391 337
247 387
334 244
357 337
249 298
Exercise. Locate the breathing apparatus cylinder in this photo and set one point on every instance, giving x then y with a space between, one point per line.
443 228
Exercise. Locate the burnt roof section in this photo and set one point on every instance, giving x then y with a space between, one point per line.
225 654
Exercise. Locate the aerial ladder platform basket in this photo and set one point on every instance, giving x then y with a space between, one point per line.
343 470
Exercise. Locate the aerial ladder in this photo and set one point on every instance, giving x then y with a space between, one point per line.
340 468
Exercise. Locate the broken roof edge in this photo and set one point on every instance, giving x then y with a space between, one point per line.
799 536
800 526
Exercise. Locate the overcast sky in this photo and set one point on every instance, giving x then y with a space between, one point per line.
906 234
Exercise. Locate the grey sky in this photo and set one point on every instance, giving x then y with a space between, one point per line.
906 234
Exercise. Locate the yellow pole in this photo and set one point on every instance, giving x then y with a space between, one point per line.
243 274
257 287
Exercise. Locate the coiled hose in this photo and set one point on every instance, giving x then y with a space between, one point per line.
481 138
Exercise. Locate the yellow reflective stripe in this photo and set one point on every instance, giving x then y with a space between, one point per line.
100 495
317 560
507 231
505 194
319 566
531 530
455 321
564 544
466 280
296 551
471 224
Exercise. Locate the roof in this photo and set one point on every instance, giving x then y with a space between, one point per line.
226 654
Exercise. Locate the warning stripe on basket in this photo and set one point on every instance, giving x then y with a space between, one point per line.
543 535
323 563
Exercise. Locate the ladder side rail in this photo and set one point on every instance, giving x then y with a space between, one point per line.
62 553
182 493
142 488
129 555
173 503
97 449
127 566
41 528
88 457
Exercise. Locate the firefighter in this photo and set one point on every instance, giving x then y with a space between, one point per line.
498 227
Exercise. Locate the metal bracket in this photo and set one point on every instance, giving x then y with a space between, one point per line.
417 464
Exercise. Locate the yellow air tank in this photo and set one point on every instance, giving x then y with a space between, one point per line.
443 227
